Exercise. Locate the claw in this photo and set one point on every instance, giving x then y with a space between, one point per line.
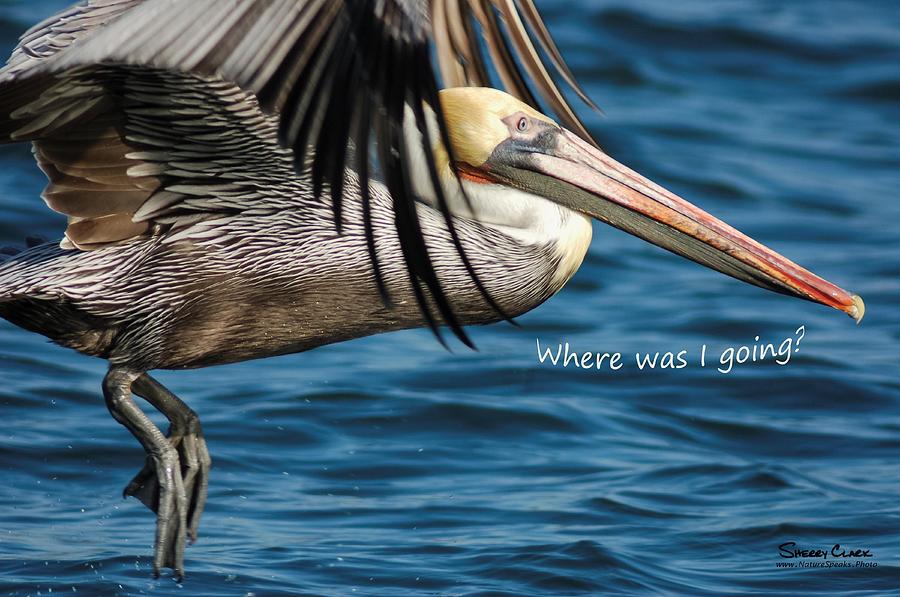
174 480
174 486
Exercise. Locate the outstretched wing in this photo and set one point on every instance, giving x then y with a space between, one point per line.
334 71
61 31
129 149
132 150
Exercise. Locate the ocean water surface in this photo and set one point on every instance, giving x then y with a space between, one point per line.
389 466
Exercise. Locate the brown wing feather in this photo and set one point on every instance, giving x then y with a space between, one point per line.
534 65
93 233
449 51
90 183
375 56
500 53
533 17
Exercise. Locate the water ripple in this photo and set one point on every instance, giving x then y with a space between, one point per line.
387 466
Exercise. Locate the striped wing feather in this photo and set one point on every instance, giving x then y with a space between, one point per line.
329 70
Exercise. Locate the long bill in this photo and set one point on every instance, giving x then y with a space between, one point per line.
621 197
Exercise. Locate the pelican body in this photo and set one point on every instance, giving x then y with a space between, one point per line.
193 241
278 282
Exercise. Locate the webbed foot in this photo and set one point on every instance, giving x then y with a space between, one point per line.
175 477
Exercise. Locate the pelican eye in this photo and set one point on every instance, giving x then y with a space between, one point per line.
522 125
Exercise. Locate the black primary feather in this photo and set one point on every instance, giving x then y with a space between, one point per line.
431 97
333 87
354 66
318 65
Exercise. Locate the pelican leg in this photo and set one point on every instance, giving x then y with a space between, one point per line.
186 436
171 511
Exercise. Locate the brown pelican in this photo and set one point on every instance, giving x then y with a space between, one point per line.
193 241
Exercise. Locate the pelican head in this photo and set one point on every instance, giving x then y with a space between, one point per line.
500 142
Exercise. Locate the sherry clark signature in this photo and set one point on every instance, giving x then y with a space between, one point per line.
790 550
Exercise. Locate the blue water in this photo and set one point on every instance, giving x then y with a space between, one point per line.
387 466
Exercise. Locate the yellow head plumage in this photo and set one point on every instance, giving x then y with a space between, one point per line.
474 117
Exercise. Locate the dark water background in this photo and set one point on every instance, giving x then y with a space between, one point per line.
387 466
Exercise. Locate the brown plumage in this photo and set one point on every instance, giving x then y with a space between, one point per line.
313 62
158 124
174 135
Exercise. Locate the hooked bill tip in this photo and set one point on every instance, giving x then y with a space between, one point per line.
858 310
